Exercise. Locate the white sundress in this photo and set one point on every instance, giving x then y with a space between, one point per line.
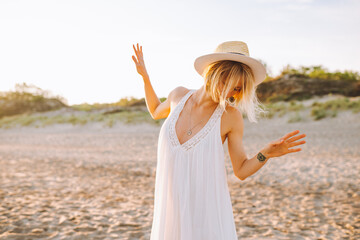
192 199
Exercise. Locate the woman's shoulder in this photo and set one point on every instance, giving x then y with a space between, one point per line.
233 113
232 117
178 93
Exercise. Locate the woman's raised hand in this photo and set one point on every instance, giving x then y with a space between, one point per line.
139 61
281 146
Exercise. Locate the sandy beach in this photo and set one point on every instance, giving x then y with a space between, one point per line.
92 182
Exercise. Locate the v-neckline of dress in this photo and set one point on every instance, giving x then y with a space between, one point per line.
197 136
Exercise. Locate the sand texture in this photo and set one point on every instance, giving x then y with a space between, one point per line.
91 182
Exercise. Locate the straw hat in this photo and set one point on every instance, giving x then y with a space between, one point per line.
236 51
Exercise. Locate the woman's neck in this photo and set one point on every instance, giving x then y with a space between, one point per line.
201 99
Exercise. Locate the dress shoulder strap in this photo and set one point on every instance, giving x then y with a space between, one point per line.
182 101
186 96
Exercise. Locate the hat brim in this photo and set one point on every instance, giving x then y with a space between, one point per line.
257 67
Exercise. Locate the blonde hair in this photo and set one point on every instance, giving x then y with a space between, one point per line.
231 72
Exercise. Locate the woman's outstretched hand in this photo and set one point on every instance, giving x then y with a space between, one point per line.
139 61
281 146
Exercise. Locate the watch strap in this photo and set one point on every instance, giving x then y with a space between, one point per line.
261 157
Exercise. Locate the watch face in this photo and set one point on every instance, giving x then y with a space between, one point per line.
261 157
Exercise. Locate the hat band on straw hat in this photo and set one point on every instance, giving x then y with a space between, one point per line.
237 53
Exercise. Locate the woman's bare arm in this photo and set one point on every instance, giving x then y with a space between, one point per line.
235 141
152 101
244 167
156 108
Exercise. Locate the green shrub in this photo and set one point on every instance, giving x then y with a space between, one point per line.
28 99
319 72
295 117
110 123
294 106
318 113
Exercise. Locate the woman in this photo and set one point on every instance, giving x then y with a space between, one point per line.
192 199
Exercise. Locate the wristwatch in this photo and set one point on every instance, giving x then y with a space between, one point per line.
261 157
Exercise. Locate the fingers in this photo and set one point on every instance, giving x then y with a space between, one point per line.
141 53
290 134
296 144
294 150
296 138
136 50
134 58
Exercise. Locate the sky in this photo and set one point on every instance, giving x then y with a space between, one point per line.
82 50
